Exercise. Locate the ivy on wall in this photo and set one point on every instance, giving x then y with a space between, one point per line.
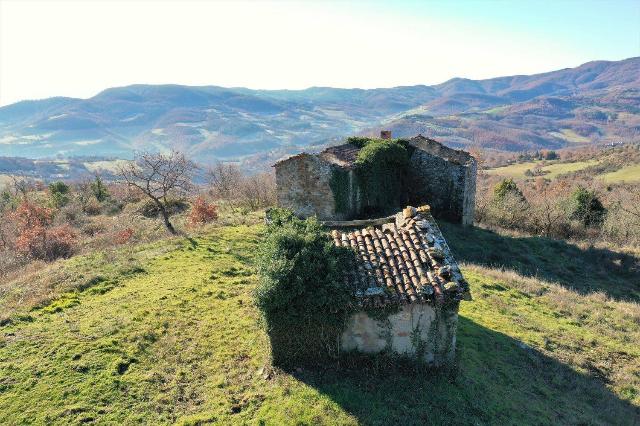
342 190
380 177
382 167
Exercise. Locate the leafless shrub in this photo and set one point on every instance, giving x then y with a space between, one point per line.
548 213
508 211
258 191
228 183
224 180
623 219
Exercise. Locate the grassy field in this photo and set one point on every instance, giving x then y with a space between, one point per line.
166 333
625 174
516 171
571 136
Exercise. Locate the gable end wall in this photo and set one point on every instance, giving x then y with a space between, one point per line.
302 185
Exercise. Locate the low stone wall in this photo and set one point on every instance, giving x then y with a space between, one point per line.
421 331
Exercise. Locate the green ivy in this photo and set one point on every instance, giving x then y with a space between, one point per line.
359 141
381 168
341 189
302 295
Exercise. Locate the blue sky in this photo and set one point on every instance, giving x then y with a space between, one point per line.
77 48
597 29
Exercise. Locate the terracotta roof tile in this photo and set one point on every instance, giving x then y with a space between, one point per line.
403 262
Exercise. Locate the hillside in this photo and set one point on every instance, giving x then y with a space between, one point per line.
595 102
166 333
618 164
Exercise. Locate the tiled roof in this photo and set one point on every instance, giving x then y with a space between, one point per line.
403 262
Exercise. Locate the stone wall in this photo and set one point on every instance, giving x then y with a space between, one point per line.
418 330
445 179
439 176
304 185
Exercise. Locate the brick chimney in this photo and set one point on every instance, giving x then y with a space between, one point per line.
385 134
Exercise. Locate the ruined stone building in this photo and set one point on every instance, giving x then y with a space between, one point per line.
327 184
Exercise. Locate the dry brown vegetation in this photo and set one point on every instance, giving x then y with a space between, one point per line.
542 206
39 224
240 191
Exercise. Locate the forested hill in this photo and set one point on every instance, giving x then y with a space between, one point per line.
595 102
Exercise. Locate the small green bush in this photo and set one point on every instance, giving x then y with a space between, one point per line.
587 208
507 187
302 294
59 192
7 200
99 190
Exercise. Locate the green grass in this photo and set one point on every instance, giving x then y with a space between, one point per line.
496 110
625 174
582 268
174 338
571 136
516 171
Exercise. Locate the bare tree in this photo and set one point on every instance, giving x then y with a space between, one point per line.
227 182
258 191
224 180
21 186
160 176
547 215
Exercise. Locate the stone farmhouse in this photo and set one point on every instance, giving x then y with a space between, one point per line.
441 177
404 264
407 283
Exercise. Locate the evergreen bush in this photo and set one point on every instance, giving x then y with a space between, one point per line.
507 187
59 194
587 208
99 189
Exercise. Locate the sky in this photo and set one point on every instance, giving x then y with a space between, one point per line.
78 48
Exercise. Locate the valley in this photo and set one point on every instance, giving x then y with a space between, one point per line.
595 103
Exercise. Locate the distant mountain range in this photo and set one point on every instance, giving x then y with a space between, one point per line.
595 102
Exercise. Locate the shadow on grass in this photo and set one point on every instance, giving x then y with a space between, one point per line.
584 270
192 241
497 380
